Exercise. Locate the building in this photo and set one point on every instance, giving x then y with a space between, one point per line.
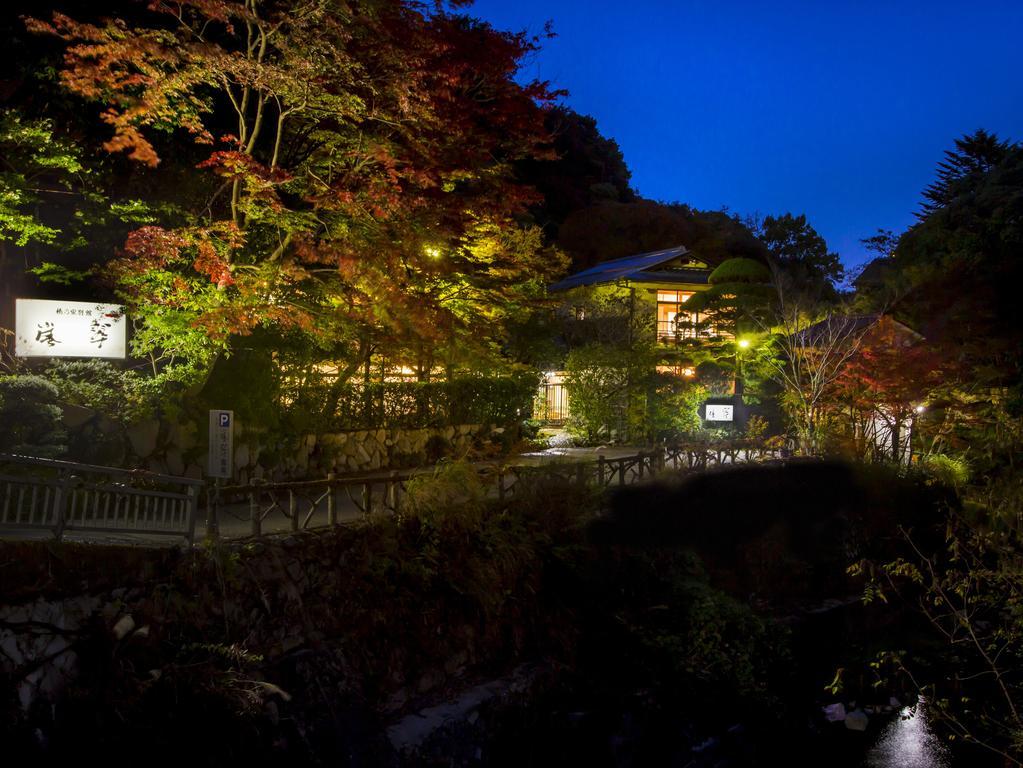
614 301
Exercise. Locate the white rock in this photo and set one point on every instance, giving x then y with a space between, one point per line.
124 625
856 720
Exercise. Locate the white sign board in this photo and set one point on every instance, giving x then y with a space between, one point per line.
45 328
719 412
221 444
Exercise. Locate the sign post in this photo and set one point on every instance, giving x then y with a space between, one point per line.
221 444
221 462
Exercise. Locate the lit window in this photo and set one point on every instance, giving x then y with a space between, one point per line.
672 323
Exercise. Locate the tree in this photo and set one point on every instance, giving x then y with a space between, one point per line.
802 254
963 169
610 230
957 271
356 172
813 346
589 169
736 305
892 374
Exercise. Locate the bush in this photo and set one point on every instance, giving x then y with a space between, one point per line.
451 493
122 395
598 382
30 420
946 470
674 408
340 406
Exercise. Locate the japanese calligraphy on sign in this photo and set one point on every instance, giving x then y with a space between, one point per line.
719 412
46 328
221 444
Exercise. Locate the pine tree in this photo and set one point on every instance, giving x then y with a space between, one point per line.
974 155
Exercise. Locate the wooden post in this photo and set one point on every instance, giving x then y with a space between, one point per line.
367 498
600 470
580 474
212 511
292 509
394 490
254 517
500 484
331 507
639 463
621 472
193 512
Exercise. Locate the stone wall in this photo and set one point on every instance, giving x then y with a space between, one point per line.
306 646
180 448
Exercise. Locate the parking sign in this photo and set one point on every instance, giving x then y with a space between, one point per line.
221 444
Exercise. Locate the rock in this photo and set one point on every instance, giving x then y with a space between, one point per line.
429 680
456 664
834 713
75 416
124 625
856 720
175 463
362 456
143 436
241 455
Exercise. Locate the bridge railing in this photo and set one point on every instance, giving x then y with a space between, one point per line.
62 496
260 507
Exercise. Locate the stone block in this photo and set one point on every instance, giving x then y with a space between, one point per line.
143 436
74 416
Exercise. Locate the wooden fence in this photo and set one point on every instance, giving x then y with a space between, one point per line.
260 507
62 496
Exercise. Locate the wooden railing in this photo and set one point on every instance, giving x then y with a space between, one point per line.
62 496
262 507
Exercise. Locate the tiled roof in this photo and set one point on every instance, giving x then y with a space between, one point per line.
841 326
640 268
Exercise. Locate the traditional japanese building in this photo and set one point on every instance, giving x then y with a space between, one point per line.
642 294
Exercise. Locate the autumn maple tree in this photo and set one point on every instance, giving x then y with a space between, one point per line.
890 375
354 182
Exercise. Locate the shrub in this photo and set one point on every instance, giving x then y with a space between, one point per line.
30 420
598 383
673 409
452 490
946 470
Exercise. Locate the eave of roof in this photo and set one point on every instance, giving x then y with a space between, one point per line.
629 268
686 276
850 325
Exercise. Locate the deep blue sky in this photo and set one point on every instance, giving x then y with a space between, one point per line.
836 109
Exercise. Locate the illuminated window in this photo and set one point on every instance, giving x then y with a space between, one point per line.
682 371
673 323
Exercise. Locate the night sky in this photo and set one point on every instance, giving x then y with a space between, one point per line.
837 109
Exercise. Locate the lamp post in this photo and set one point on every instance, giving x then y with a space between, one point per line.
741 344
740 410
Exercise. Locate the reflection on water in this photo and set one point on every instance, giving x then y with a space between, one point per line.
907 742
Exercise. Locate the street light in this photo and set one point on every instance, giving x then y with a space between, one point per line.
741 344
